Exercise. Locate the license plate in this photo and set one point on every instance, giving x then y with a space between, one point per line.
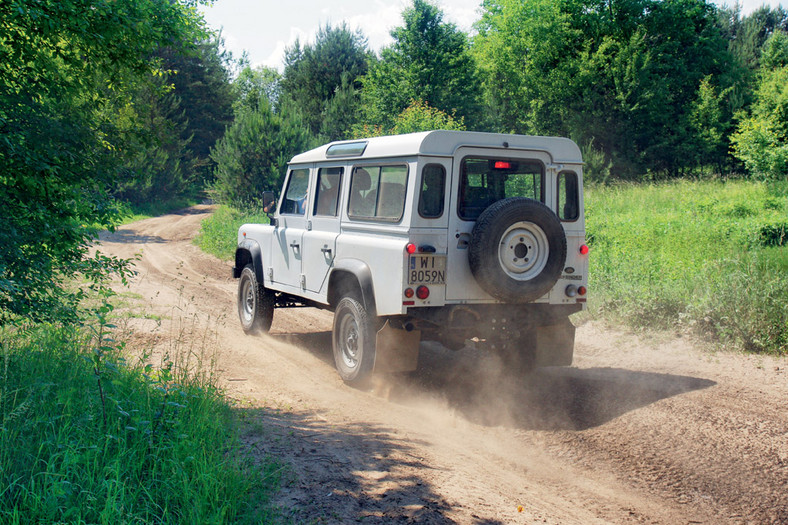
427 269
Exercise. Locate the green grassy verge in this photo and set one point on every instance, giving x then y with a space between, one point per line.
710 256
219 232
138 212
88 437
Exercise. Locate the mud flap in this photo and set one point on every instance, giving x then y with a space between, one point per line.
397 350
555 344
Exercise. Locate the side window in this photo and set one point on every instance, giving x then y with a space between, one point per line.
568 196
433 191
294 202
329 181
378 192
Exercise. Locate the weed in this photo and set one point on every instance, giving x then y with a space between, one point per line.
701 255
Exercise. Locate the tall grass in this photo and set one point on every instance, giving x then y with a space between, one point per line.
219 232
704 255
88 437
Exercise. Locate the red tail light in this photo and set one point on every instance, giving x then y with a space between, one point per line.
584 249
422 292
410 248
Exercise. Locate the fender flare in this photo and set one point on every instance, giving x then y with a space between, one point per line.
363 275
246 252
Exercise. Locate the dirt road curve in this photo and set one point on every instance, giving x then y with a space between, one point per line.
637 431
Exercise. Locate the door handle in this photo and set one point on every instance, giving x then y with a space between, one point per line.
295 245
326 250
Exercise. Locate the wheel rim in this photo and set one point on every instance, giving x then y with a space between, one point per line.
247 300
349 341
523 251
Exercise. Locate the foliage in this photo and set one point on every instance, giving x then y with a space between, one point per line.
254 87
418 116
201 83
62 65
761 140
89 437
253 154
429 61
219 232
626 74
708 256
321 79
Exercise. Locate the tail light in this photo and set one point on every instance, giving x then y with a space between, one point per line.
584 249
422 292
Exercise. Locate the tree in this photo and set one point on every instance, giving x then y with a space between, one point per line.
253 154
761 140
315 75
623 74
62 65
429 61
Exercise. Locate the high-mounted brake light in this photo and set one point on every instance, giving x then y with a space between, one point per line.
502 165
410 248
584 249
422 292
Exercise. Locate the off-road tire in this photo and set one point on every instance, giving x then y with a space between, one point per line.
518 250
255 303
353 341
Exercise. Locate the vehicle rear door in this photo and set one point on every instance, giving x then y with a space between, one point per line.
472 192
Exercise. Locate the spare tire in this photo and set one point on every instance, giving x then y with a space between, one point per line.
518 250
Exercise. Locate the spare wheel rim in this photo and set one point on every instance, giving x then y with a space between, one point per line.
523 251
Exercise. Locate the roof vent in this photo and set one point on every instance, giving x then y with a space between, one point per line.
347 149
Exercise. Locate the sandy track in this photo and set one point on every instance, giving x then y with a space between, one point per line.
638 431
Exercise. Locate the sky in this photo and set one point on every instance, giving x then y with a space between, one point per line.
264 28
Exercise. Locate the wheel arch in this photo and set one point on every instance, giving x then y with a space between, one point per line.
352 277
248 251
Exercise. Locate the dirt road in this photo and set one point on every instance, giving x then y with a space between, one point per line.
639 430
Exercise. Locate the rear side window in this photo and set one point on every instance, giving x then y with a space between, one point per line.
378 192
568 196
329 180
295 194
433 191
484 181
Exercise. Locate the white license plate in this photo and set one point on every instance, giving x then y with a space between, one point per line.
427 269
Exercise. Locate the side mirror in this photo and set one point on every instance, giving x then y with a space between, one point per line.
269 206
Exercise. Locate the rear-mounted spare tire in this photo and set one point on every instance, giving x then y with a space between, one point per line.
518 250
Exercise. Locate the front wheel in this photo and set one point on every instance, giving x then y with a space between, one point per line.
353 341
255 303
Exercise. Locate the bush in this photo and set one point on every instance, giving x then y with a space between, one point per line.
704 255
252 156
88 437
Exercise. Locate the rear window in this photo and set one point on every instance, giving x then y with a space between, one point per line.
485 180
377 192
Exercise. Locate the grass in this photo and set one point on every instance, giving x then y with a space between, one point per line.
219 232
138 212
708 255
88 435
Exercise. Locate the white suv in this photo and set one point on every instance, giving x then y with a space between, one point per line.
444 236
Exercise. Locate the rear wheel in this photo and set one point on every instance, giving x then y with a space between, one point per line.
353 341
255 303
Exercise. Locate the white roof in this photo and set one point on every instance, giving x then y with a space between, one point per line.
445 143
